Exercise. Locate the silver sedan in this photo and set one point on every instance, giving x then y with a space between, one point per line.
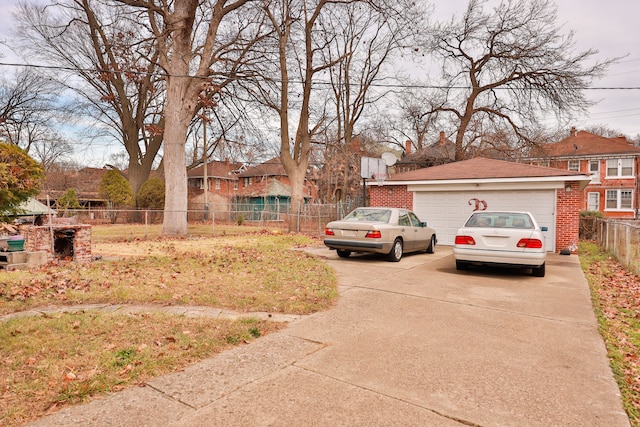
390 231
508 239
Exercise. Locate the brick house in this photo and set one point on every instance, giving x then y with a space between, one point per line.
85 181
440 152
222 182
612 163
445 195
266 187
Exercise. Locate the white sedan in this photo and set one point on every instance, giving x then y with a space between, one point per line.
509 239
390 231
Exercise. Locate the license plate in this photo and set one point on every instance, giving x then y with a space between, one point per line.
350 233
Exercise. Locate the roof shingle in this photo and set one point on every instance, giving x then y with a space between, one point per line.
582 143
481 168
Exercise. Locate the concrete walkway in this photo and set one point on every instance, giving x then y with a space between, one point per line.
177 310
413 343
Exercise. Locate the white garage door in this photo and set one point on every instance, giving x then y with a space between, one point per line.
446 211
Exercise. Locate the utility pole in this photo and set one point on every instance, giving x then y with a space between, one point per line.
205 165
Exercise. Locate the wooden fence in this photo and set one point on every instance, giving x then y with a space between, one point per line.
620 238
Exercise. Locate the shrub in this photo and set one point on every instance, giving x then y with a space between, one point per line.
116 189
69 200
151 194
20 178
594 214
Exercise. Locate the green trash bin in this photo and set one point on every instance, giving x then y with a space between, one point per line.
15 243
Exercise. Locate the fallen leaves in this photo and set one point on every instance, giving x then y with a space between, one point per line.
616 296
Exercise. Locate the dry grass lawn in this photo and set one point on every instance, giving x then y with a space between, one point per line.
51 361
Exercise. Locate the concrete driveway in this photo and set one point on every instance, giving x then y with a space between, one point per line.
412 343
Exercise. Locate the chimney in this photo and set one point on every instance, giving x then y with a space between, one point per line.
355 145
226 161
407 147
442 138
573 131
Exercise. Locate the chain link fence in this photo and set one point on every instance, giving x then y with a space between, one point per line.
619 237
307 218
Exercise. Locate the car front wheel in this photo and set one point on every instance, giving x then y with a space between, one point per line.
396 251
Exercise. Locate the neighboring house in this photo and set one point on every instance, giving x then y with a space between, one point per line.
612 163
440 152
223 184
266 187
445 195
85 181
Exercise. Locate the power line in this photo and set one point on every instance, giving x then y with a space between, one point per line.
383 85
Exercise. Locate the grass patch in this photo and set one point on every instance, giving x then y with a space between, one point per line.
50 362
615 293
130 232
260 272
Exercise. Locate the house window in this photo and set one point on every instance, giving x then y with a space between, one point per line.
247 181
217 183
619 200
574 165
619 167
235 184
594 170
544 163
593 203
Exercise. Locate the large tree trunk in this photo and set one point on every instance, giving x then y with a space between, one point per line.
296 176
177 116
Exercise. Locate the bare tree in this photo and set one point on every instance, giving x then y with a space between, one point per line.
508 68
109 61
363 42
201 51
29 111
296 57
413 121
303 50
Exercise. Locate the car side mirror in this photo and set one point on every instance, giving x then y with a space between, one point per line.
544 228
423 224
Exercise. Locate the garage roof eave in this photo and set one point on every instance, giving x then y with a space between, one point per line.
583 179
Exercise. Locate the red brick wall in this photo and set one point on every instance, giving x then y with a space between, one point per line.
38 239
604 184
568 217
393 196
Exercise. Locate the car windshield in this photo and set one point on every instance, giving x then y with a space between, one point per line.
369 215
499 220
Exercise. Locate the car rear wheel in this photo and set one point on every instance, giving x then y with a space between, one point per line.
432 245
538 271
343 254
461 265
396 251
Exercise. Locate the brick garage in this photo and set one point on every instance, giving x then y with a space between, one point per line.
445 195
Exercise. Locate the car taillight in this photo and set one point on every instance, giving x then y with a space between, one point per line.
465 240
530 243
373 234
329 232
